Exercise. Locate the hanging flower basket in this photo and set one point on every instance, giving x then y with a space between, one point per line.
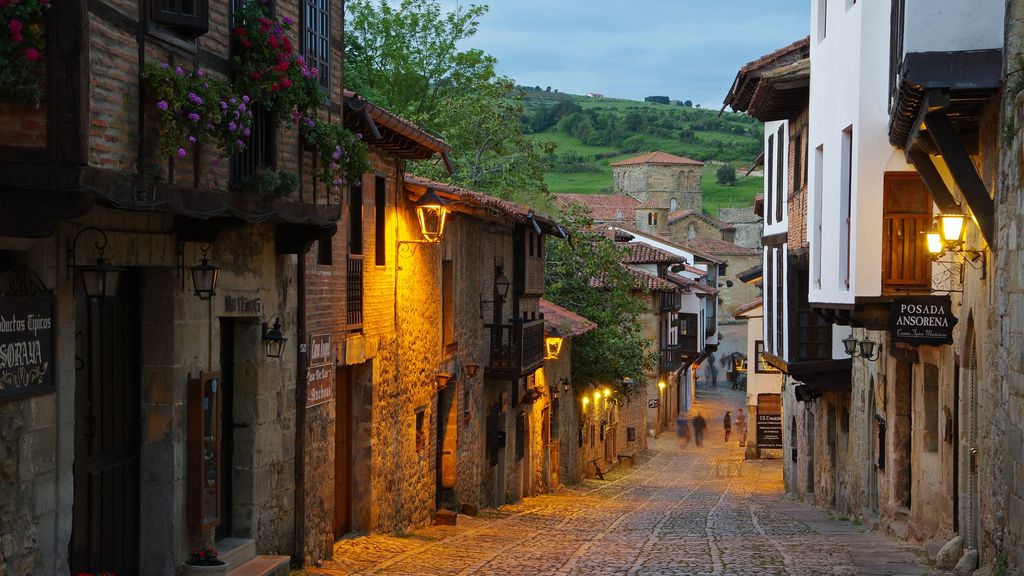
196 109
268 68
21 48
341 154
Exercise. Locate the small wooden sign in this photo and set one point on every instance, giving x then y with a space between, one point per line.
26 346
920 320
769 421
319 385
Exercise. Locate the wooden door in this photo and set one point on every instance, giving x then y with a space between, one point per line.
105 520
906 219
343 453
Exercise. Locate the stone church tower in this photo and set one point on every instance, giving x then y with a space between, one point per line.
660 179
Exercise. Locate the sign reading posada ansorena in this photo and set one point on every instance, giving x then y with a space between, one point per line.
925 320
26 346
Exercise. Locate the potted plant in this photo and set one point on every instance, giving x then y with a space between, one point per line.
204 561
341 154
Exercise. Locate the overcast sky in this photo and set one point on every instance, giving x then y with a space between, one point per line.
684 49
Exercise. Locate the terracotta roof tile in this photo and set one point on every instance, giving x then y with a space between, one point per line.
697 253
661 158
642 281
748 306
718 247
640 253
506 208
603 207
567 322
678 215
425 143
749 76
690 285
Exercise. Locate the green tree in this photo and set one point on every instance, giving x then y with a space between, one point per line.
616 349
410 59
726 175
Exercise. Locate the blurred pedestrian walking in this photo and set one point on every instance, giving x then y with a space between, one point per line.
741 424
698 429
682 429
727 422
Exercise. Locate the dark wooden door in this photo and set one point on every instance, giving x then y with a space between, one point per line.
343 452
105 522
906 219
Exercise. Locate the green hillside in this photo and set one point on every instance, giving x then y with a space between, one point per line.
592 133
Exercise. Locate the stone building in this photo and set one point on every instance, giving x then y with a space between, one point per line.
688 224
370 395
660 179
158 413
733 291
746 225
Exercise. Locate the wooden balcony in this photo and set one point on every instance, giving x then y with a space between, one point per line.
516 349
670 358
671 301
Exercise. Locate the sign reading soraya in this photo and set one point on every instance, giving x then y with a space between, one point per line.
26 346
922 320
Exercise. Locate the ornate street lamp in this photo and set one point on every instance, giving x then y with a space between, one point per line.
204 276
432 212
552 344
273 339
861 348
101 279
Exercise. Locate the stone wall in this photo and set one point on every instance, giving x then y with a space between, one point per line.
732 297
748 226
658 185
679 230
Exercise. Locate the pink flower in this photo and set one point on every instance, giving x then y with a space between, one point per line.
32 54
15 26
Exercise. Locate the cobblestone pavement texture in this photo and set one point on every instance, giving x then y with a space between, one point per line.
701 511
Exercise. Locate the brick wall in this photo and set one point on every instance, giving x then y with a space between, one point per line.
796 211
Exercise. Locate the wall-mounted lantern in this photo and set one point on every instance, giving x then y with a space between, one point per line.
565 385
101 279
470 370
442 380
432 212
585 401
861 348
204 276
501 285
947 235
552 344
273 339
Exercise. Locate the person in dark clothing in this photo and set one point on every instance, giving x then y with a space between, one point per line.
698 429
727 422
682 429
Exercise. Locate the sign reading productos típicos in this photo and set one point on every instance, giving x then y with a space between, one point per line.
26 346
922 320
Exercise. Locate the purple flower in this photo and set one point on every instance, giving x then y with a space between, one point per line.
246 132
232 126
193 117
337 182
287 21
244 99
181 152
310 123
240 143
192 139
162 105
179 70
241 107
200 73
337 152
232 100
165 66
223 105
300 59
195 98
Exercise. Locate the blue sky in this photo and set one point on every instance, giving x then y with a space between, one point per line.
684 49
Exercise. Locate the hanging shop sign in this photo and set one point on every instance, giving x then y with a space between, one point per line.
769 421
26 346
320 374
920 320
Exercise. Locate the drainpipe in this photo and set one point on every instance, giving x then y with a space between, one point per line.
300 413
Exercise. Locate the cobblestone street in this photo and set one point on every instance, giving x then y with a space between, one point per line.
678 511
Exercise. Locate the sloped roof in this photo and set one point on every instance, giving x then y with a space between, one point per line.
568 323
690 284
388 131
640 253
697 253
678 215
743 95
603 207
660 158
642 281
470 199
749 306
752 274
717 247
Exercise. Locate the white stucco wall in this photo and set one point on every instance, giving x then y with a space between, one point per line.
945 25
758 383
849 77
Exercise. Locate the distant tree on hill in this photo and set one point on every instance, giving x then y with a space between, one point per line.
537 88
726 175
548 89
657 99
688 103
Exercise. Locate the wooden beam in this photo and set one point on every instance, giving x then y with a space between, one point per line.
932 180
963 170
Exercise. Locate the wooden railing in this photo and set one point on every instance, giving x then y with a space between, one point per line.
906 265
671 357
354 291
813 339
670 301
516 348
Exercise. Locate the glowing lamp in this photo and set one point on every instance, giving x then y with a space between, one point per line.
606 392
952 229
935 243
597 396
552 344
586 400
661 385
432 212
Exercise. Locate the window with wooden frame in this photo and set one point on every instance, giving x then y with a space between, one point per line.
189 18
380 202
316 37
906 219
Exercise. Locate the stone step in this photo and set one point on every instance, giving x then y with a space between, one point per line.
263 566
236 551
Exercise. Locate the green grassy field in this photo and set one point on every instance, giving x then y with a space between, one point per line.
582 168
